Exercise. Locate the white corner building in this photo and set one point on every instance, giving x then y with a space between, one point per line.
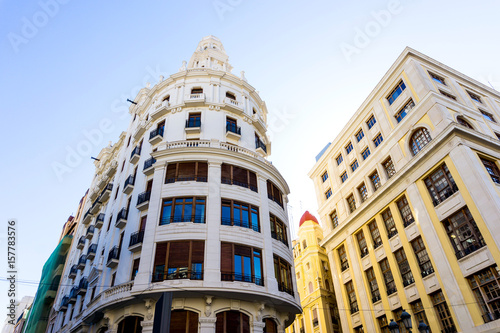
185 203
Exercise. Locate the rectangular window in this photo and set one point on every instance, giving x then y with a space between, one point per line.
404 267
424 262
450 96
135 268
405 211
396 92
241 263
351 294
371 121
475 97
372 282
194 120
437 78
363 192
404 110
375 233
274 194
343 176
363 247
486 287
463 233
234 175
354 165
389 223
440 184
389 167
365 153
390 285
339 159
443 312
186 171
283 274
382 323
278 229
344 264
360 135
488 116
240 214
397 314
492 169
378 140
328 193
418 311
184 209
351 203
324 176
348 148
375 180
335 219
179 260
113 279
498 135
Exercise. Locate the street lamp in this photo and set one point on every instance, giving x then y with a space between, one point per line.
406 318
393 327
423 328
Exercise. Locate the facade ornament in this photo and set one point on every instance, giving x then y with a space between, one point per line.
183 67
161 78
260 311
149 306
243 76
208 306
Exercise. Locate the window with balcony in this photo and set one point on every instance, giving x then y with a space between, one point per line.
443 312
335 219
463 122
424 262
396 92
404 267
186 171
339 159
354 165
351 295
260 144
135 268
230 95
375 179
363 247
283 274
348 148
278 229
344 263
492 169
274 194
440 184
463 233
232 126
196 90
351 202
486 288
328 193
365 153
475 97
405 211
179 260
183 209
404 111
240 214
390 285
324 176
194 120
371 121
488 116
419 140
360 135
363 193
343 176
372 282
234 175
241 263
437 78
389 223
450 96
378 140
389 167
375 233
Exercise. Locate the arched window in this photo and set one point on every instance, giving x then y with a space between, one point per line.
310 288
167 98
230 95
419 140
232 322
271 326
131 324
196 90
464 122
182 321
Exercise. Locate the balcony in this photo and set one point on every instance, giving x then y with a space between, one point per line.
260 147
282 287
242 278
193 126
143 200
376 298
136 154
113 257
490 316
279 237
194 99
90 232
81 243
392 233
87 217
354 309
377 244
72 272
160 110
64 303
141 128
155 136
197 218
315 322
136 239
129 184
106 192
233 104
233 132
364 252
82 286
96 205
344 265
121 218
72 295
81 262
148 166
91 251
408 281
444 194
391 290
473 247
99 221
112 169
179 274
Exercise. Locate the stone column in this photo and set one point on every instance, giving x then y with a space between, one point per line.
207 324
213 219
258 327
147 326
267 245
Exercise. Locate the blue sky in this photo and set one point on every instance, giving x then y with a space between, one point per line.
66 66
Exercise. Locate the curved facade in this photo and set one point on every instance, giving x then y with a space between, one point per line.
185 202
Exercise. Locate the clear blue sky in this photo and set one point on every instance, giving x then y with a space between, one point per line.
66 67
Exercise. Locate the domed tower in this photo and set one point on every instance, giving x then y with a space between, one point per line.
186 205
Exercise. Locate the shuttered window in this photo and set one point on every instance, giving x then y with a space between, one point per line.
274 194
234 175
241 263
182 260
187 171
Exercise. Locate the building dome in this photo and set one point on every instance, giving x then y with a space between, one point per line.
307 217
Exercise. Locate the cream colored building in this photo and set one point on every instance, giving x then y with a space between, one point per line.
409 200
185 202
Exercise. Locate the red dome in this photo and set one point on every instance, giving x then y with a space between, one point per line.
307 217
